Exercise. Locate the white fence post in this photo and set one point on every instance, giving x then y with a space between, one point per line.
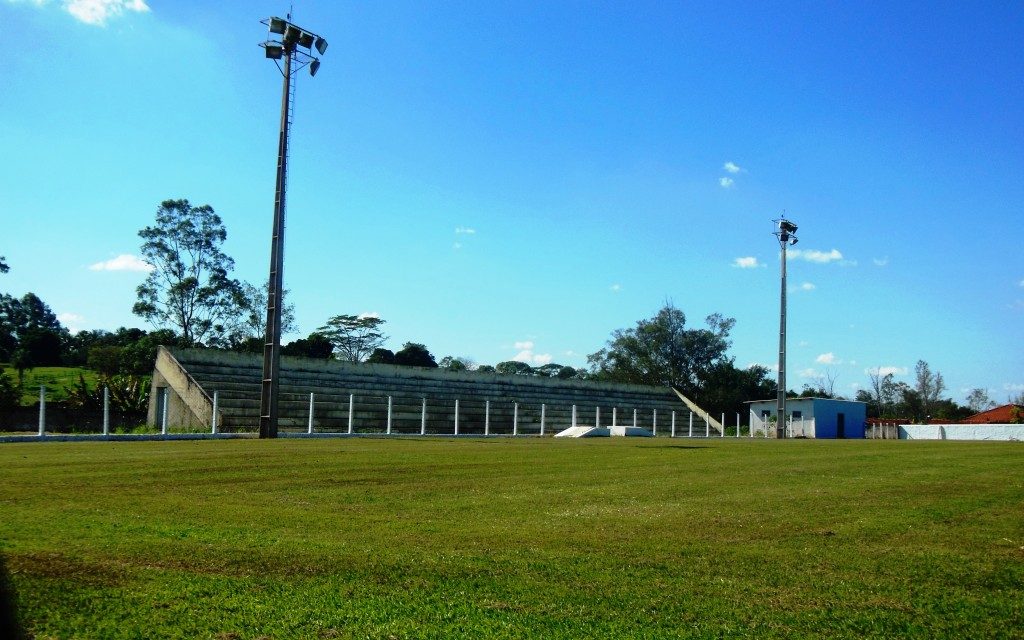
515 418
673 434
707 427
634 417
456 416
751 423
106 411
574 416
487 417
542 408
654 423
213 420
423 417
42 410
351 410
163 417
389 415
723 424
738 424
691 424
615 416
597 417
309 428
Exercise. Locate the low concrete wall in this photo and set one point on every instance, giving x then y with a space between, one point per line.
1014 432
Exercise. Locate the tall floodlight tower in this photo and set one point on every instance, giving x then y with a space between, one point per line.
785 231
293 44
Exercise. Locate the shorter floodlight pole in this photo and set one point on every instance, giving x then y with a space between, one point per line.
786 236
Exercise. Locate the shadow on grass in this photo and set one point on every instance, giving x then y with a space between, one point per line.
8 610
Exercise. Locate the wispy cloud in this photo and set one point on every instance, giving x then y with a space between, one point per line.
726 182
1021 283
464 231
809 372
828 358
95 12
615 288
732 167
525 344
814 255
884 371
457 245
746 262
803 286
123 262
880 262
367 314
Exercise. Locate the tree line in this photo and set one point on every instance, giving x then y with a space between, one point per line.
191 300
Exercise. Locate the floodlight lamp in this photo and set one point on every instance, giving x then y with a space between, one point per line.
793 240
787 226
277 25
306 40
291 34
321 45
314 66
274 50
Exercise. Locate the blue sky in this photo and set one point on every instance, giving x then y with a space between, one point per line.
519 179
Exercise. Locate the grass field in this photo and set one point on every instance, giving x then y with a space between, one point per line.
525 538
56 379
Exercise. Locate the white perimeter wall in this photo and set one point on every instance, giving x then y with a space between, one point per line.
962 432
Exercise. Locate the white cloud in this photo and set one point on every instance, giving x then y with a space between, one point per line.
746 262
457 245
804 286
525 344
726 182
809 372
529 357
884 371
72 321
880 262
97 12
813 255
570 353
855 385
369 314
615 288
732 167
804 343
1021 283
828 358
1013 387
542 358
464 231
123 262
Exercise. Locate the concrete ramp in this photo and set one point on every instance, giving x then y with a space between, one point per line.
638 432
583 432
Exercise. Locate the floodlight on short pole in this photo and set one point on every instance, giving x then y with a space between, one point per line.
292 43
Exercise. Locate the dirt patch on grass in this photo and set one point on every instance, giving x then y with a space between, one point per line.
64 567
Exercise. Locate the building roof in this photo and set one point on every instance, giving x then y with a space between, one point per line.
788 400
996 415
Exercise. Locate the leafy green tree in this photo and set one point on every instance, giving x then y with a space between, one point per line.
10 393
661 351
250 322
726 388
381 355
452 363
486 368
106 359
354 337
189 289
137 358
3 265
315 346
414 354
514 368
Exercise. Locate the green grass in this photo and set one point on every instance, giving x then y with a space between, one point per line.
56 379
528 538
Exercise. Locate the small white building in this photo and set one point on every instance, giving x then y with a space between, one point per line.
811 417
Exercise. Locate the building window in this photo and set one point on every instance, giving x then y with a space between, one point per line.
798 415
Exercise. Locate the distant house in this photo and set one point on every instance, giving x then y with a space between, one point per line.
1006 414
814 417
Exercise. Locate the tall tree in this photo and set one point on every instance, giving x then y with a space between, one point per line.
314 346
30 329
929 386
662 351
354 337
189 289
884 393
3 265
